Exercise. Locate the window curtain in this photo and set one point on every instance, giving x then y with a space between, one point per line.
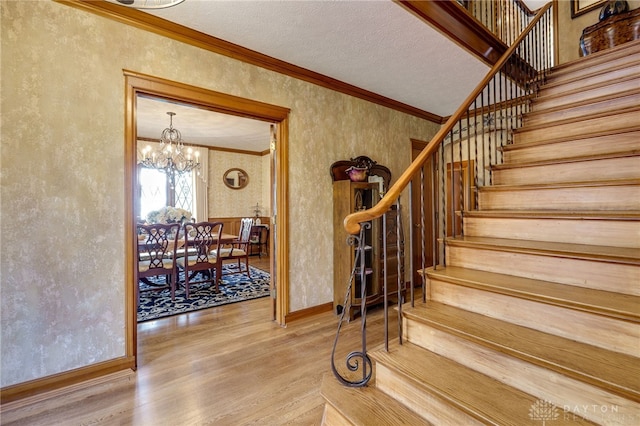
201 186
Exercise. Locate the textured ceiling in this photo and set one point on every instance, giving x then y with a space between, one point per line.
372 44
201 127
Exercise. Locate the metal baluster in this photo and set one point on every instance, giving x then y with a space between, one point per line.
434 219
501 76
399 258
461 186
491 84
469 178
363 305
352 361
452 189
385 278
475 146
444 198
411 231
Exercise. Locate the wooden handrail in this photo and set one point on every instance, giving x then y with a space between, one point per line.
352 222
525 8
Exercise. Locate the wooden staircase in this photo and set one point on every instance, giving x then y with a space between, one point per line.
535 318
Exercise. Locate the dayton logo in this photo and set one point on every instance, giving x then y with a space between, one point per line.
544 411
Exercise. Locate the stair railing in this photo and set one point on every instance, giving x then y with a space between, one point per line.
461 156
506 19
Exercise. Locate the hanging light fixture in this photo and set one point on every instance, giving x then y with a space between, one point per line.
147 4
170 157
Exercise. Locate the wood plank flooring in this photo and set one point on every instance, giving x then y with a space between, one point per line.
228 365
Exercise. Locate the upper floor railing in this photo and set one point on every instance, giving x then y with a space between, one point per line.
454 164
506 19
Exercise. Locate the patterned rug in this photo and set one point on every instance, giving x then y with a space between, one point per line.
234 288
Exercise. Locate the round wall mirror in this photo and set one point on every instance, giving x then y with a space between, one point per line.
235 178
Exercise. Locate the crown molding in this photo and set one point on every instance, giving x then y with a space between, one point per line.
195 38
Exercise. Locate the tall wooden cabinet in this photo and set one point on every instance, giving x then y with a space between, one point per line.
349 197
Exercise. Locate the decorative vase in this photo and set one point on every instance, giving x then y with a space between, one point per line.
613 7
357 174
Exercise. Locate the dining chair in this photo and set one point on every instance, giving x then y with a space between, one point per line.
155 244
201 245
238 249
259 238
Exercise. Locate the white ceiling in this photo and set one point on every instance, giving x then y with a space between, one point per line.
201 127
373 44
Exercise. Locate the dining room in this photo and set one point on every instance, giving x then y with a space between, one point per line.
205 168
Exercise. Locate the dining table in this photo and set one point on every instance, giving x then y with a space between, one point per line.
224 239
144 246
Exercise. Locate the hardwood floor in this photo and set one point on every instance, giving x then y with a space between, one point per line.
228 365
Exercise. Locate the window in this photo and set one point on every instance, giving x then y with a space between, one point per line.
156 192
183 192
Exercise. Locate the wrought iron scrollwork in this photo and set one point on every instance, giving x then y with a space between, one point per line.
355 360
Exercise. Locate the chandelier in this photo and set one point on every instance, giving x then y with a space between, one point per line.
147 4
170 156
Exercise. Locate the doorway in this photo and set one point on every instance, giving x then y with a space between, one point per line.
459 195
139 84
423 227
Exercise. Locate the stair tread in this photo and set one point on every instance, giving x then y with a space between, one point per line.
581 119
536 113
576 159
480 396
591 183
620 51
367 405
585 87
569 79
602 302
576 251
626 215
524 145
619 373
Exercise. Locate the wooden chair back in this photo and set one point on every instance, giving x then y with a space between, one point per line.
239 249
156 244
201 243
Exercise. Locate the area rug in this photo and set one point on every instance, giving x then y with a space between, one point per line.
234 288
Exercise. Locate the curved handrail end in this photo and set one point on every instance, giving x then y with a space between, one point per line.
352 226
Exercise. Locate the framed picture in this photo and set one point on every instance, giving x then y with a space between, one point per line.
578 7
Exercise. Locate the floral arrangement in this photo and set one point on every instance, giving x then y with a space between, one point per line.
169 214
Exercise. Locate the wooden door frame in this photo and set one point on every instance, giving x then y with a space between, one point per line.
419 145
461 170
138 83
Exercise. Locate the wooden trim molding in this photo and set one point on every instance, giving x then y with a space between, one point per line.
183 34
57 382
456 23
308 312
138 83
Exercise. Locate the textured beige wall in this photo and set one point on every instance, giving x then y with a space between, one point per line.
62 186
227 202
570 30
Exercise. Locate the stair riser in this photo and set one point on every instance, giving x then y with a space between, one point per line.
607 123
574 71
626 197
609 333
582 273
579 111
331 417
432 408
594 79
577 171
572 148
544 102
582 231
522 375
